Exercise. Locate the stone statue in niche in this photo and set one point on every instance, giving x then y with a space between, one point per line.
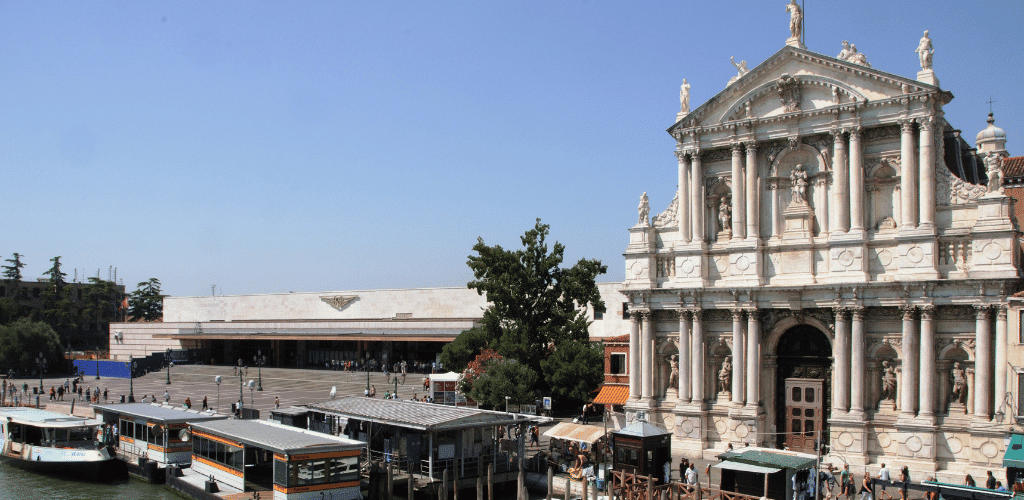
684 97
959 376
798 179
724 214
925 51
888 381
789 93
994 170
673 373
725 376
741 69
796 19
644 209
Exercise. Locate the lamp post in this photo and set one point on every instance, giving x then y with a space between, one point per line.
252 397
97 366
506 403
41 360
217 379
260 359
241 382
168 357
131 379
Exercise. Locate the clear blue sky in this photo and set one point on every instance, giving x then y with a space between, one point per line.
313 146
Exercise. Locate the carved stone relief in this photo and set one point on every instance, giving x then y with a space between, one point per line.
961 192
789 93
669 217
338 301
881 133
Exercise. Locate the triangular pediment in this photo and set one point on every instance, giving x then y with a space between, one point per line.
795 80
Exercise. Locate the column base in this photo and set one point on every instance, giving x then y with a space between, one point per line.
848 437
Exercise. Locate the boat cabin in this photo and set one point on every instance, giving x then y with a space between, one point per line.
26 427
153 431
261 455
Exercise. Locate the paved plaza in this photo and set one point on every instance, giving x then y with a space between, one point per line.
292 386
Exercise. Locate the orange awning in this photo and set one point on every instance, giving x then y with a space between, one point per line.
612 395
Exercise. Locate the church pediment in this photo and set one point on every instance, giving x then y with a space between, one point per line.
796 81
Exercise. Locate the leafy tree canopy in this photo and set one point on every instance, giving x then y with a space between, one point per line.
12 273
56 275
573 370
23 340
504 377
534 304
146 302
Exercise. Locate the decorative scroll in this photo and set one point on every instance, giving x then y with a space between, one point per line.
338 301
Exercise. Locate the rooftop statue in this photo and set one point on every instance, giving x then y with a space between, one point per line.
925 51
644 209
684 97
741 69
796 19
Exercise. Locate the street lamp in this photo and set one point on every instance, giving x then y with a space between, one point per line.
506 403
168 357
252 397
241 383
41 360
97 366
260 359
217 379
131 379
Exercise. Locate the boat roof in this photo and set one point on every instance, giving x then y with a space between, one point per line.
43 418
164 414
277 437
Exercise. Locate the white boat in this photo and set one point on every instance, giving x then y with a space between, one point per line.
48 442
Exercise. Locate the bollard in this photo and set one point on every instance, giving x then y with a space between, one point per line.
479 488
568 488
490 482
551 481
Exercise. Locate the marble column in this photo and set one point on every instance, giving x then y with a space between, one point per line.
926 405
841 355
908 169
982 389
908 396
1000 362
840 183
858 359
634 356
647 370
821 203
738 362
697 221
926 198
683 207
739 211
684 357
752 191
856 181
753 355
776 208
697 353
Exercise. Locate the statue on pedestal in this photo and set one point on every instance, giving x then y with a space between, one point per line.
725 376
888 381
724 213
994 170
959 383
644 210
673 374
684 97
925 51
798 179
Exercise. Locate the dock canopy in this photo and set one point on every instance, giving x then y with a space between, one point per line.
156 413
415 415
742 467
575 432
612 395
1014 456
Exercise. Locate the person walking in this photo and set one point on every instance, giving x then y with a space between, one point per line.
206 404
990 481
277 402
105 395
904 481
691 475
865 488
883 475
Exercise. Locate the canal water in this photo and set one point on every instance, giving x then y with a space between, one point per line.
16 484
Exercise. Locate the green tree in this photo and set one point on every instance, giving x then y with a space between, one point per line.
573 370
534 304
100 302
23 340
58 310
11 305
146 302
504 377
457 354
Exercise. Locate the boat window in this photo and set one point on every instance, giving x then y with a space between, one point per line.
18 433
80 434
33 435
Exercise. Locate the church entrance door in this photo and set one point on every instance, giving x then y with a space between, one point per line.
804 412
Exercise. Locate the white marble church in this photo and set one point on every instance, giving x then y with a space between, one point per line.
835 266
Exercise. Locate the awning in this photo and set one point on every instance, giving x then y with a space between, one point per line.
1014 456
612 395
742 467
575 432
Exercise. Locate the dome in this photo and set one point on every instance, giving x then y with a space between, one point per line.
992 138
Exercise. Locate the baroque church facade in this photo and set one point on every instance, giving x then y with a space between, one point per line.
834 268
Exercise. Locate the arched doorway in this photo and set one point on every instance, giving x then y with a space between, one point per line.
803 379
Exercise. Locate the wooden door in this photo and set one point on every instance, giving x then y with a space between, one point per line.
804 412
